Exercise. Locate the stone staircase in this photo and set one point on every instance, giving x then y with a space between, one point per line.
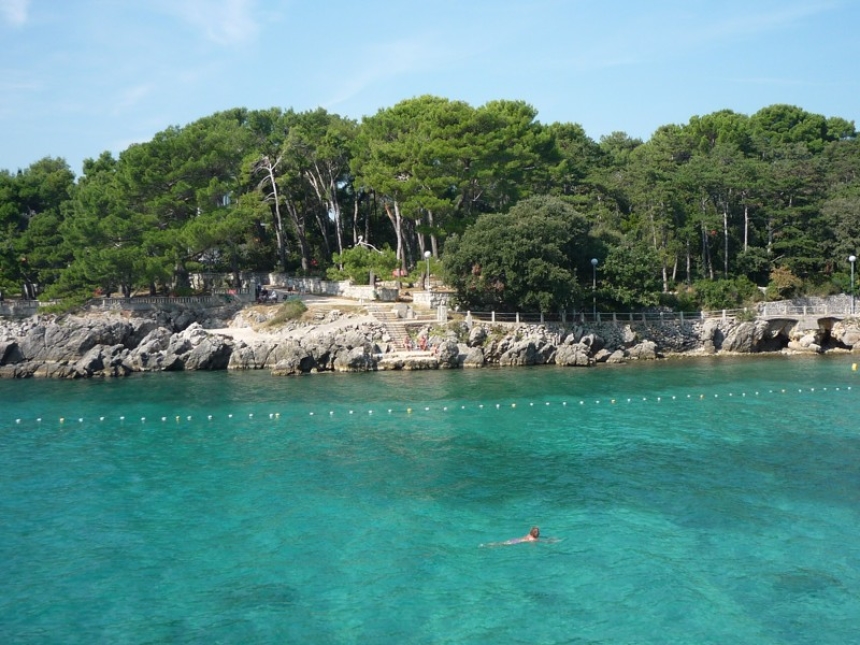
398 328
394 325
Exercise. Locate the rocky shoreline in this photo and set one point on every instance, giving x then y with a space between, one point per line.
232 338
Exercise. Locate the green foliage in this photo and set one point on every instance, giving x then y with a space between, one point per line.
724 294
67 305
630 278
290 309
722 198
783 284
522 260
359 262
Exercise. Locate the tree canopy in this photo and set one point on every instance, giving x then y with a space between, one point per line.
512 209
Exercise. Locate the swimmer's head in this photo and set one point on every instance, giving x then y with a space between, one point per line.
535 532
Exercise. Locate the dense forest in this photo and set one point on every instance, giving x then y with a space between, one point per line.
712 213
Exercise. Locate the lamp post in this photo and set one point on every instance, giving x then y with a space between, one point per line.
852 259
594 287
427 257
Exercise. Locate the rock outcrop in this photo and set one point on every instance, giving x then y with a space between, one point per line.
118 345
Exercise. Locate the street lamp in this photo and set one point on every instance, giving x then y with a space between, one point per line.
594 287
852 259
427 257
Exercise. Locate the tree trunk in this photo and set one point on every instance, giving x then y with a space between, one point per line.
397 222
280 234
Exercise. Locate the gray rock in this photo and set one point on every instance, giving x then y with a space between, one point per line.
618 356
577 355
249 357
358 359
448 355
477 336
10 353
604 355
475 358
743 338
593 342
212 353
522 353
646 350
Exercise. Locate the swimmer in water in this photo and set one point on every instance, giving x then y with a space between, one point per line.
533 536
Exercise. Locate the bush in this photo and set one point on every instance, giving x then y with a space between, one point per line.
725 294
66 305
783 285
359 262
291 309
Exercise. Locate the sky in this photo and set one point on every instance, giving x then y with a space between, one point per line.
80 77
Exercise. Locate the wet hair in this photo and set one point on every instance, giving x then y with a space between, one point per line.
535 532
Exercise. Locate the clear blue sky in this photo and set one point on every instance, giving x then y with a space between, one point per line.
79 77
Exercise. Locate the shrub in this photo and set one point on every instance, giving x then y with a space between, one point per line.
66 305
783 284
725 294
291 309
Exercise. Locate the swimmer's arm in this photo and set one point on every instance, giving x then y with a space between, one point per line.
508 542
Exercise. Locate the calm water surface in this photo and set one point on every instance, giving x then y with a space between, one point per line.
707 501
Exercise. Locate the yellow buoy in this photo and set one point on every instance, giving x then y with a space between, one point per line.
853 367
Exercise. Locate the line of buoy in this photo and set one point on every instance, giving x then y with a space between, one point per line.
496 406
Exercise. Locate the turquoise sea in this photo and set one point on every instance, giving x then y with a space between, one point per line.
691 501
